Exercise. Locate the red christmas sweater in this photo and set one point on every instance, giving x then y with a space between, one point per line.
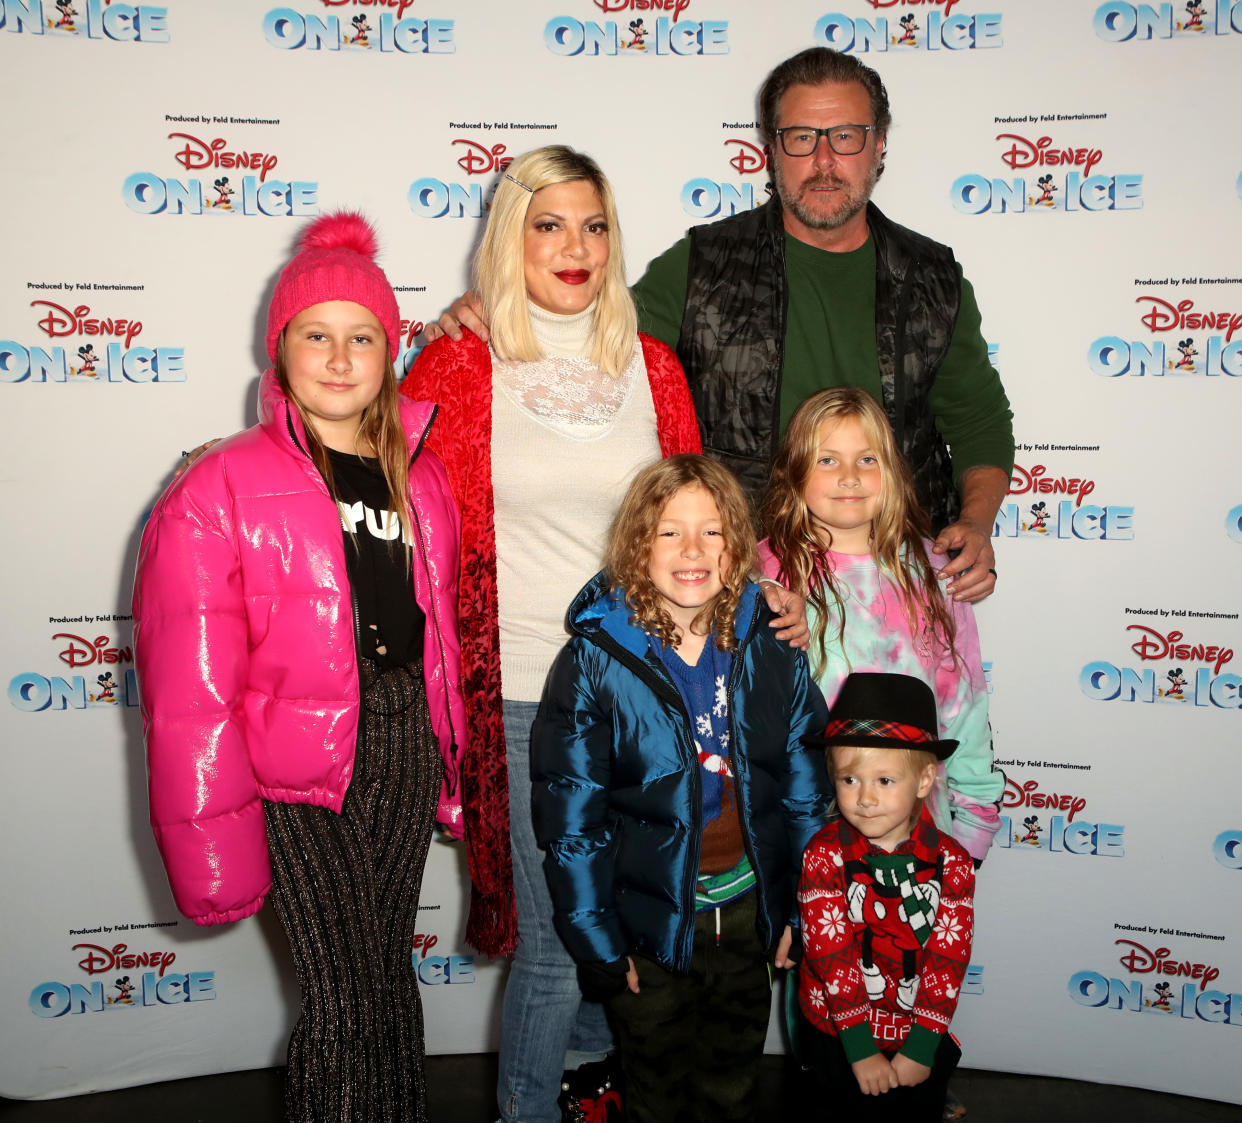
458 377
866 976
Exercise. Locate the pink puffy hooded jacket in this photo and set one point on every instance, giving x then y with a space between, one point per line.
244 643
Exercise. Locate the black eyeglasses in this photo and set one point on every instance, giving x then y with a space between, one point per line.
844 140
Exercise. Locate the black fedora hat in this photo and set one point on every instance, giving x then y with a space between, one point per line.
883 711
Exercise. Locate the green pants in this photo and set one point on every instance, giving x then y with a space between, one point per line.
691 1044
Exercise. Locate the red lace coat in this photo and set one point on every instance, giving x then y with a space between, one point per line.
458 376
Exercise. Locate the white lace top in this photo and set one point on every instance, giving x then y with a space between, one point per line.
565 389
566 441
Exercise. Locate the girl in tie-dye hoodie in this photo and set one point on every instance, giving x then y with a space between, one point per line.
846 531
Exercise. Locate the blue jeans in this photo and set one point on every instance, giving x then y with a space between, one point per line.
545 1026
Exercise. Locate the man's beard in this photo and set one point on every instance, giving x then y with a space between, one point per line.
848 205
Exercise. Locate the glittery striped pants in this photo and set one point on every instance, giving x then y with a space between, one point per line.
346 887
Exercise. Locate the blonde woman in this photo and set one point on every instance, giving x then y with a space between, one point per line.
541 430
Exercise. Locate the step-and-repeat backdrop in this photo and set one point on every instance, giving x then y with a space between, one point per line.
1085 161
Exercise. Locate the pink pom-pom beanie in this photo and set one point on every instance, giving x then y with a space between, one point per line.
335 261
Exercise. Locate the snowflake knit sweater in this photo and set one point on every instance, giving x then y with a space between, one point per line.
855 926
878 637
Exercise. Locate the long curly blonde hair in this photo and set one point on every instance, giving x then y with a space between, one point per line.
897 532
628 553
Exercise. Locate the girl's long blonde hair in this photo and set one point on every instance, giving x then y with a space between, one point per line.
628 552
897 532
499 264
380 427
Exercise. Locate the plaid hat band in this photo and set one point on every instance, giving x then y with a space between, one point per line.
871 727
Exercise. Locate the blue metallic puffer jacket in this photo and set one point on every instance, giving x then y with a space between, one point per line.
617 783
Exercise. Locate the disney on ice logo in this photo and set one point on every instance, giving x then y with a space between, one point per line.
147 193
1197 354
1154 645
197 155
1193 1000
1065 518
59 321
432 197
153 987
433 970
1075 190
1029 795
1174 683
391 30
1063 834
704 197
33 692
106 354
1120 21
928 29
98 960
665 35
96 19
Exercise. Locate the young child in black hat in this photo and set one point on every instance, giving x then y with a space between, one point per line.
886 902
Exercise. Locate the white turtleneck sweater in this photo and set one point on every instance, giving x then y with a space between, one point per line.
566 441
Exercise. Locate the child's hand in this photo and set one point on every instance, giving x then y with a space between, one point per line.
875 1075
909 1073
786 954
602 981
631 975
790 611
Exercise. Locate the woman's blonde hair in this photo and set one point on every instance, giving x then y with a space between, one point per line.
897 532
380 427
499 264
630 538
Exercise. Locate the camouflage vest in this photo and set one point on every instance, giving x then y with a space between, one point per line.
733 336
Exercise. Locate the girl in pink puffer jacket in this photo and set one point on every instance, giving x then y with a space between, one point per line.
296 640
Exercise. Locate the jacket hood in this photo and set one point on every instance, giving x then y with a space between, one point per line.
276 411
600 608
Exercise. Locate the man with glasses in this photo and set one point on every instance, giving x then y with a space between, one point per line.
817 288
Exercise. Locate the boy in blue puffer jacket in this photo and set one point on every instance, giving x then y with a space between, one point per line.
674 796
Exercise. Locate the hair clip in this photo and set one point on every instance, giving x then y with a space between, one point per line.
520 183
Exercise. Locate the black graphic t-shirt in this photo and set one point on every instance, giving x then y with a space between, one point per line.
390 621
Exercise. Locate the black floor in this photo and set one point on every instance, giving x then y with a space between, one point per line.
461 1091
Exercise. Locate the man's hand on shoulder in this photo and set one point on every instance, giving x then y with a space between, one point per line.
789 610
465 312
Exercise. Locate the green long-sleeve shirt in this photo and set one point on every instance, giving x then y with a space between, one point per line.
830 341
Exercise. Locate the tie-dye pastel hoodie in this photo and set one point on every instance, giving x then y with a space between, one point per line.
964 802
